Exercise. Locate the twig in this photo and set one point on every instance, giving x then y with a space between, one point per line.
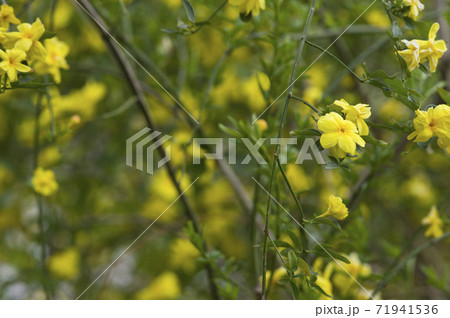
402 262
43 239
136 87
336 58
277 149
300 210
307 104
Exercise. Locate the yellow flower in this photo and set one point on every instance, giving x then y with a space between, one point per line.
323 277
65 264
356 114
419 51
249 7
7 16
44 182
433 122
27 39
165 286
412 54
432 50
56 59
336 208
339 132
434 223
345 276
414 7
12 63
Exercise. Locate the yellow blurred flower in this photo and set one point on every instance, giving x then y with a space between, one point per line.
298 179
165 286
27 39
415 6
340 134
336 208
278 274
345 276
420 187
323 277
49 156
62 14
317 81
393 108
74 122
356 114
44 182
66 264
235 90
183 255
378 18
12 63
249 7
262 125
7 16
173 4
56 59
434 223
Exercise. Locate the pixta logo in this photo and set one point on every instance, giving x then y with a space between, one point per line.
141 148
142 145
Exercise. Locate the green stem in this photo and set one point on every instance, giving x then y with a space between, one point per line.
254 213
402 262
42 234
336 58
283 118
202 23
307 104
303 235
136 88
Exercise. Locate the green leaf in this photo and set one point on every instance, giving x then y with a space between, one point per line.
47 35
31 85
329 222
304 266
325 251
374 141
189 10
230 131
282 244
292 260
320 289
445 95
393 87
310 132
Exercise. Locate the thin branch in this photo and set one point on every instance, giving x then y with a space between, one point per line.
337 59
307 104
388 276
300 209
280 131
136 87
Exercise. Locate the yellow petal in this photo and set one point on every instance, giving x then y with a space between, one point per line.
328 140
433 31
346 143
